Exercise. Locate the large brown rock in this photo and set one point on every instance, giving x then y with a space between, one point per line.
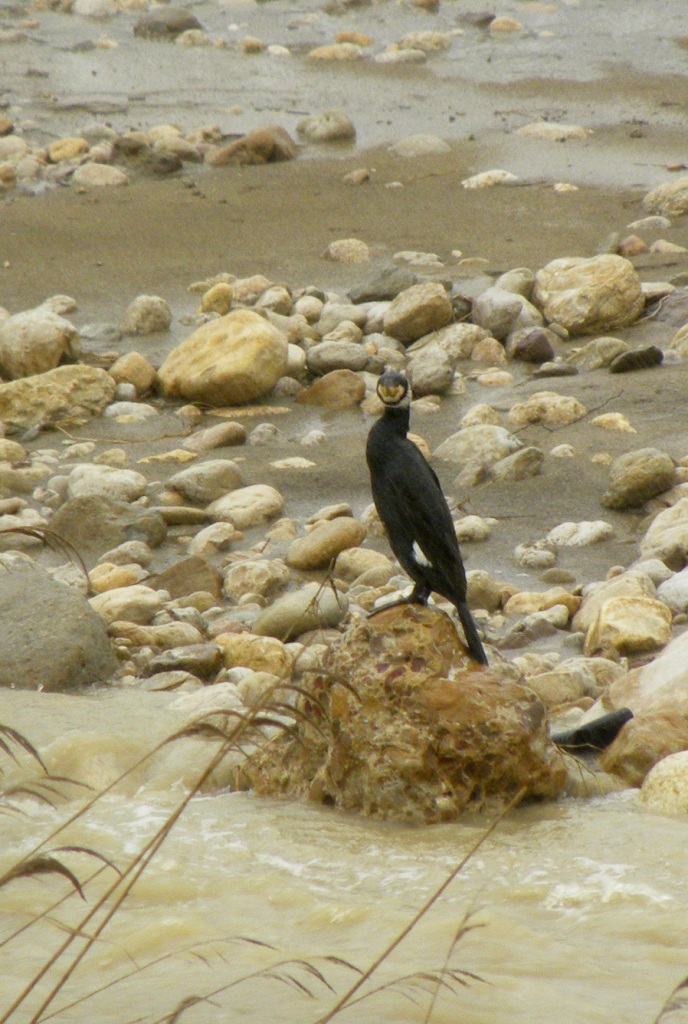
228 361
408 727
669 199
35 341
643 742
67 394
338 389
270 143
417 311
589 295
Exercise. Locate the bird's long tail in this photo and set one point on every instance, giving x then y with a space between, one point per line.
473 641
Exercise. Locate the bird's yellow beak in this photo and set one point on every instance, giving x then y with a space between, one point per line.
391 393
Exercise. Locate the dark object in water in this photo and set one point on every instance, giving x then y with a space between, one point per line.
594 736
637 359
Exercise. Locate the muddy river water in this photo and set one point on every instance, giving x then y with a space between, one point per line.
581 905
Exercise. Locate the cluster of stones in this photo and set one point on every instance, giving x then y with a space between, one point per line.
99 156
235 618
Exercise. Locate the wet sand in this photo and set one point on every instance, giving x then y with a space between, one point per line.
158 236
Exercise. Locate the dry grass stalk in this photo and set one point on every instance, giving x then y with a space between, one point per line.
677 1002
53 540
237 727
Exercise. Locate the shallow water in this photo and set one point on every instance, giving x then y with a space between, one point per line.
580 905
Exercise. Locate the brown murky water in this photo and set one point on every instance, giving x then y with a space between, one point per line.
580 906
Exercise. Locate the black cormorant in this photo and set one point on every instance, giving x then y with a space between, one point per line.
413 509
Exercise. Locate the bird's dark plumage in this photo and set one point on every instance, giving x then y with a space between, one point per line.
413 509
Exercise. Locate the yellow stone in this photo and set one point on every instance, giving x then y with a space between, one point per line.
229 361
539 601
133 368
336 51
495 378
108 576
613 421
11 451
629 625
546 407
176 455
505 25
260 653
116 457
357 38
218 299
67 149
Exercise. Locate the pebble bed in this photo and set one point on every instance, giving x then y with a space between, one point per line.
259 595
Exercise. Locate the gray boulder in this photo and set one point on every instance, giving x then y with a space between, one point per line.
94 523
52 638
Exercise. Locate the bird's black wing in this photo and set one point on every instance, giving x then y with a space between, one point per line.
415 514
413 509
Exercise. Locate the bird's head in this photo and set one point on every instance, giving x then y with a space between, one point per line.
393 390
